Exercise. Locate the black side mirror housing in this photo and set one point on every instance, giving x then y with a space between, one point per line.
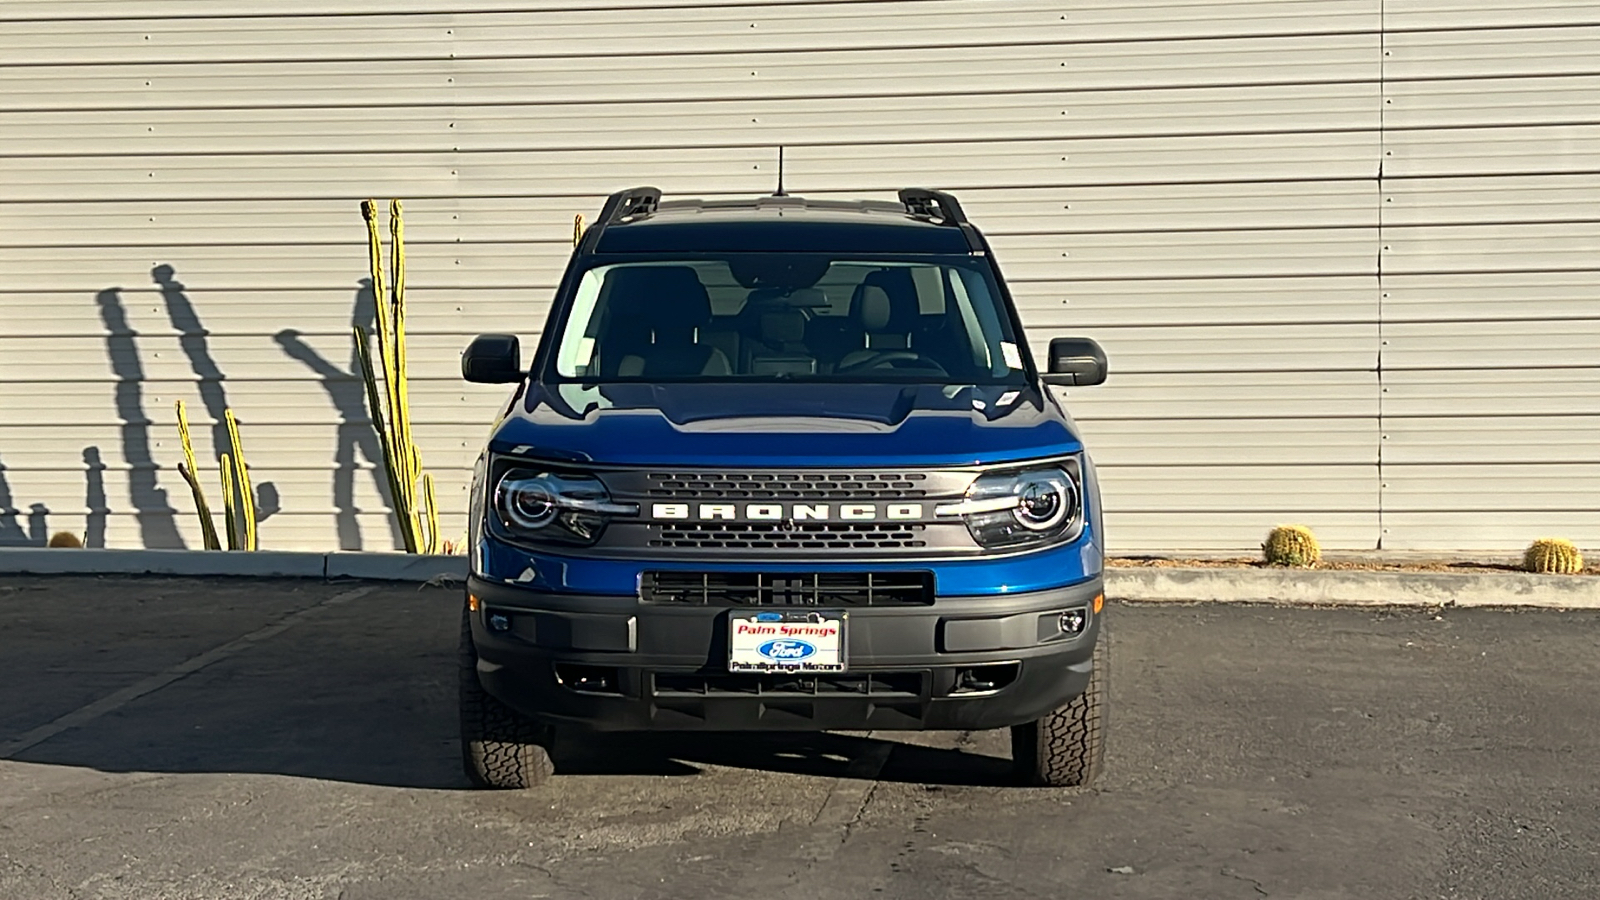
492 359
1076 362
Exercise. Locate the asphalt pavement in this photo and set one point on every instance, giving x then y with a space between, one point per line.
169 738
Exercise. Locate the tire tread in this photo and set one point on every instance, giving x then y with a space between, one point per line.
500 748
1066 747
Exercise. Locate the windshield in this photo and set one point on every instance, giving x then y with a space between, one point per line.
789 316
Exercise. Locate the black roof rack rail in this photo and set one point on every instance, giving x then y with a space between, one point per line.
933 205
942 207
919 203
639 201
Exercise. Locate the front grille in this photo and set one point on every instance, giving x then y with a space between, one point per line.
797 485
889 684
788 536
826 533
829 589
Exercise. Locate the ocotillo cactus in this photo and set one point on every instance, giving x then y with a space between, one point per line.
1291 545
412 488
230 512
241 480
1553 556
238 496
190 473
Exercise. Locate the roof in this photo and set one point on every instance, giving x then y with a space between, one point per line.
639 222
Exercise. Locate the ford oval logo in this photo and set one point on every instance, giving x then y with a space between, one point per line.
786 649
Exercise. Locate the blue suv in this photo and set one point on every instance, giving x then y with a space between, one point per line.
783 465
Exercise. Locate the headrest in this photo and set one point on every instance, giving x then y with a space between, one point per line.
871 307
884 309
666 297
783 326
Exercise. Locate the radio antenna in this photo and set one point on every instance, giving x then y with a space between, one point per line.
779 192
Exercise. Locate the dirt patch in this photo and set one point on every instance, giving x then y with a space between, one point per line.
1356 565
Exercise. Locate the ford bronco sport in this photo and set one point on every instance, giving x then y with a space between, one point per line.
783 465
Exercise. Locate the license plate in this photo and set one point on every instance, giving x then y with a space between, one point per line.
786 641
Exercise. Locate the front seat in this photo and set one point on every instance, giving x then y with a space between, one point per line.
886 312
673 304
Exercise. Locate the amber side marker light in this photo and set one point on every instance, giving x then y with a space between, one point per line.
473 601
1099 601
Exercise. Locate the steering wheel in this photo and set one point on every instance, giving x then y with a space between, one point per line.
887 358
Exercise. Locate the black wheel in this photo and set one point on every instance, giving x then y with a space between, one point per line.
500 747
1067 747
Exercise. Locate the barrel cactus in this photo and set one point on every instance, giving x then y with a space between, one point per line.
1291 545
1553 556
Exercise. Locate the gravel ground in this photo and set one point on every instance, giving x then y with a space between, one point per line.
1332 563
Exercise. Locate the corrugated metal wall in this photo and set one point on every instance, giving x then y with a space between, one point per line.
1343 252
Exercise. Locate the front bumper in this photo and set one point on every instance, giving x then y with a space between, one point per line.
619 664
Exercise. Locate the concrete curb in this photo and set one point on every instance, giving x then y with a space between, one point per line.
1328 587
1343 587
395 566
256 564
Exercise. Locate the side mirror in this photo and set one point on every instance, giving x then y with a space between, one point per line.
1076 362
492 359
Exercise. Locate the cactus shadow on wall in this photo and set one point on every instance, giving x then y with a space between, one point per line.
196 343
157 518
356 436
158 528
14 532
94 531
35 531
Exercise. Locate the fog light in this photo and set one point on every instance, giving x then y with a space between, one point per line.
499 622
984 679
971 680
1073 621
589 679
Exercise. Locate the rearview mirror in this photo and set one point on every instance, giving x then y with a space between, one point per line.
492 359
1076 362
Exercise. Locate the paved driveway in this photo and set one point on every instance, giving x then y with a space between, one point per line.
247 739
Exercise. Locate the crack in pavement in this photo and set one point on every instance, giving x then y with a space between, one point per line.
849 793
1228 873
847 801
850 826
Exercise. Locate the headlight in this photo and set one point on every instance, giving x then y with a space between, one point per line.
533 504
1033 506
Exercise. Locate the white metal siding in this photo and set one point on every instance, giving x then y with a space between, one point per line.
1342 252
1490 252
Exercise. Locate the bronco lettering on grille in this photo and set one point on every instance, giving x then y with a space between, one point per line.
787 512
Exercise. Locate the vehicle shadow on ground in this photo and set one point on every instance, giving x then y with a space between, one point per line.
363 692
423 753
826 755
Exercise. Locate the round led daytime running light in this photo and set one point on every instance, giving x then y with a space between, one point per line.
528 502
1045 500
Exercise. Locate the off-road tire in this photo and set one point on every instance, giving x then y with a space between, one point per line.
500 747
1067 747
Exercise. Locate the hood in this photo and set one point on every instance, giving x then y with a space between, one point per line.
798 425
